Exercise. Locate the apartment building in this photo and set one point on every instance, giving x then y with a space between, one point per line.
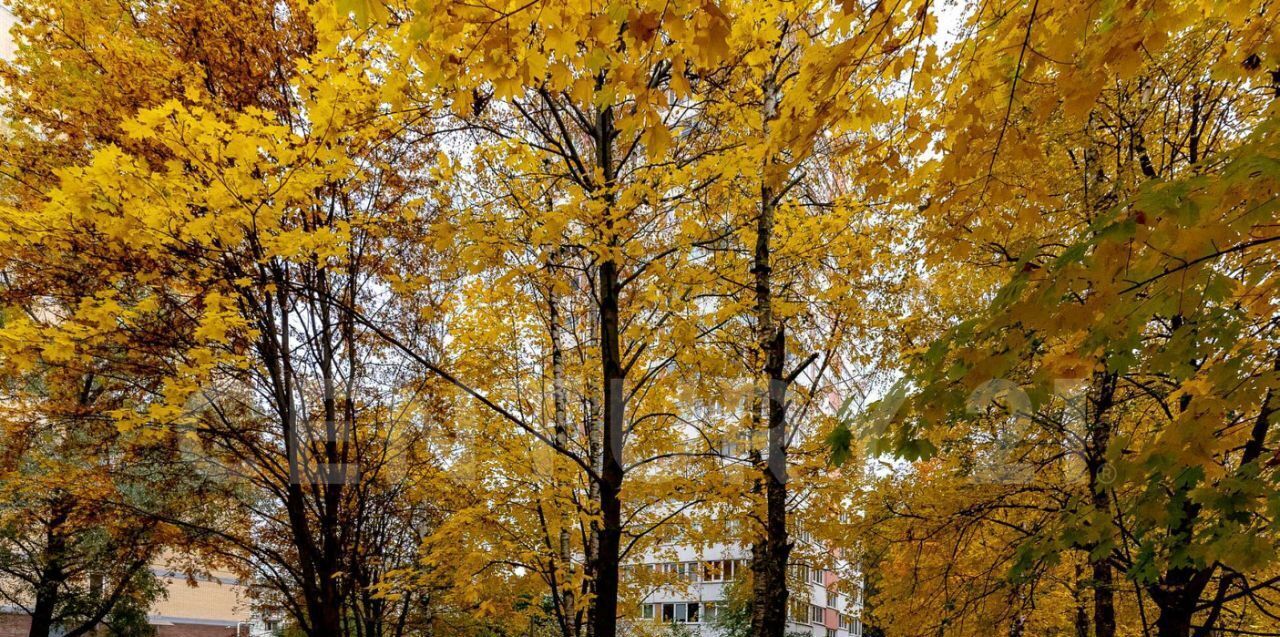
215 604
212 605
692 587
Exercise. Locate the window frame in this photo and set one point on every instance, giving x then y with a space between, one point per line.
817 614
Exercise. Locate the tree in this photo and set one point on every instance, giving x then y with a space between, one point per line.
1125 266
447 312
73 79
579 95
75 553
791 104
245 221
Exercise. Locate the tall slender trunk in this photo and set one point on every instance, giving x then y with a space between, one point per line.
318 563
1098 438
330 486
563 577
338 423
1082 611
1104 611
771 552
594 435
606 582
612 471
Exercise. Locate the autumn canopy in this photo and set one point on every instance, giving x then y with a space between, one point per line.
481 317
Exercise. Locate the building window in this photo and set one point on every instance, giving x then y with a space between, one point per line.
831 632
832 595
714 571
816 614
684 571
681 612
799 612
720 570
646 611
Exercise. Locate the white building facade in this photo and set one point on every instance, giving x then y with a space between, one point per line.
822 604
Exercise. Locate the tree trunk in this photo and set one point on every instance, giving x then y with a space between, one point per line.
1018 626
52 573
42 613
594 434
318 563
1082 610
1175 619
562 578
1098 439
1104 608
595 444
606 582
611 374
338 425
771 552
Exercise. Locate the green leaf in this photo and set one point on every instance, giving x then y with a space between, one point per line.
840 441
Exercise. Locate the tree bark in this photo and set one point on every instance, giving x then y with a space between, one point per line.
611 477
51 577
1175 619
612 376
594 434
562 579
1082 611
319 563
1098 439
771 552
